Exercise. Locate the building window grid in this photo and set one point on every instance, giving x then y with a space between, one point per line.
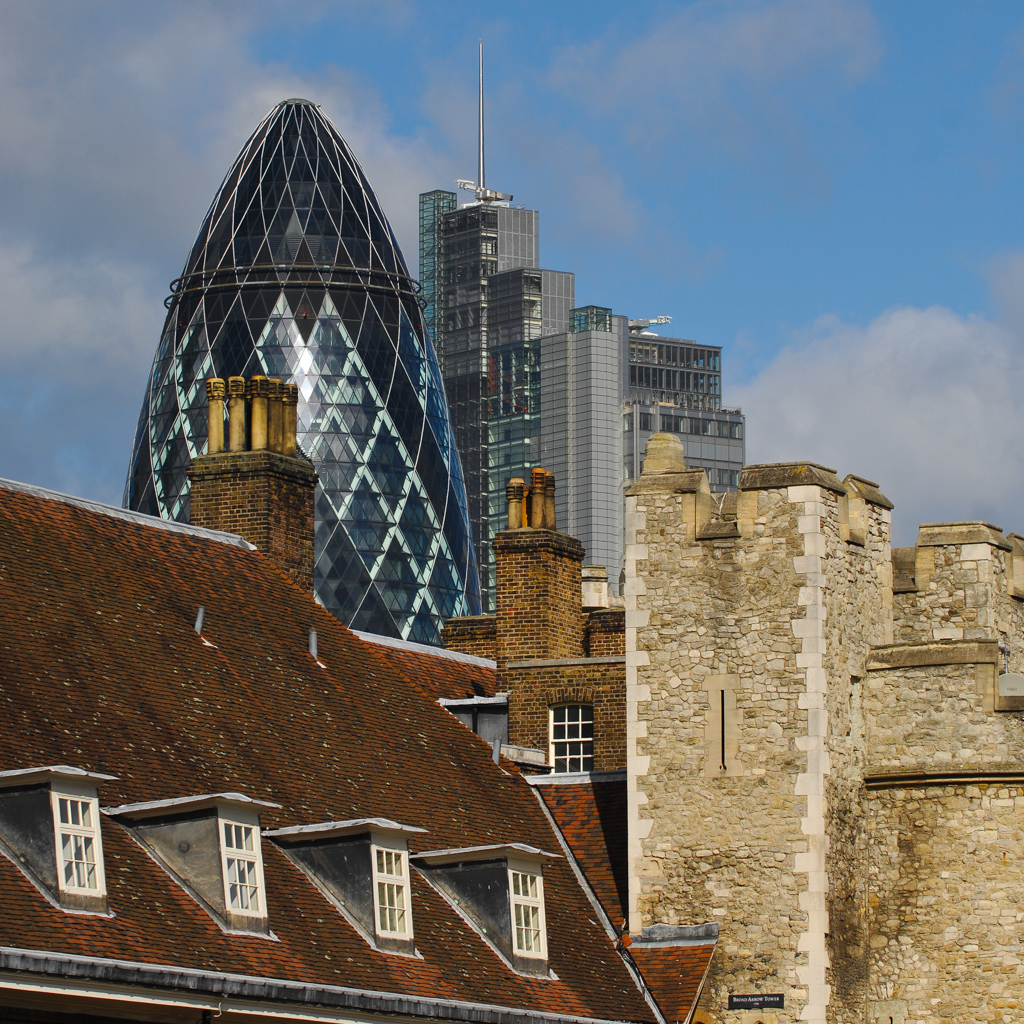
242 873
391 887
572 737
78 840
528 928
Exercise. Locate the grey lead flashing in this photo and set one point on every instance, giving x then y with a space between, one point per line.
139 518
219 985
473 702
150 808
19 776
415 648
676 932
337 828
576 778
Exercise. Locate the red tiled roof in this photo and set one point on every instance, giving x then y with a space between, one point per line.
591 814
440 673
100 668
674 974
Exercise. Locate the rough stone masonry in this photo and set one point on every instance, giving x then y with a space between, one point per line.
820 761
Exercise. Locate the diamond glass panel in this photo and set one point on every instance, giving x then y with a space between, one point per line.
296 273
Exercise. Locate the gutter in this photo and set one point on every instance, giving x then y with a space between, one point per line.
220 987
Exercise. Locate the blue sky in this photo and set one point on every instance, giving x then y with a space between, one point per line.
829 189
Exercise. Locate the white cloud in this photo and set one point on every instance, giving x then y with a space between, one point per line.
924 401
117 126
737 78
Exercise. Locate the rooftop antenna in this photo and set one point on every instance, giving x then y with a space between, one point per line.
478 187
480 132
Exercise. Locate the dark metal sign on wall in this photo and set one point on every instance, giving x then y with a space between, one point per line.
757 1001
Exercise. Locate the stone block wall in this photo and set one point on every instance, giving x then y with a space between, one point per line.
944 908
762 622
536 686
266 497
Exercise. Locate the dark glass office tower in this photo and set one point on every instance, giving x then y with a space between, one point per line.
492 303
296 274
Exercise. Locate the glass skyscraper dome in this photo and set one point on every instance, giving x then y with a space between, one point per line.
296 274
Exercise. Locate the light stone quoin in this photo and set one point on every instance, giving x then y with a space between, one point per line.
860 851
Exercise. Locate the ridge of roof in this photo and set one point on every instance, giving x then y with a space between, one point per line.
415 648
139 518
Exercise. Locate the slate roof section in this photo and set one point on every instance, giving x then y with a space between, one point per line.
100 668
590 811
438 672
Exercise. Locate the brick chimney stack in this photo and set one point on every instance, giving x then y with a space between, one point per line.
260 487
538 577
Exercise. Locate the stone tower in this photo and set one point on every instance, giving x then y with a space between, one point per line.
841 804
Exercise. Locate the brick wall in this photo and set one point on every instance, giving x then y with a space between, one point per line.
539 595
471 634
535 688
266 497
604 633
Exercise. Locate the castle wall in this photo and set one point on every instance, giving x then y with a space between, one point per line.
764 622
944 910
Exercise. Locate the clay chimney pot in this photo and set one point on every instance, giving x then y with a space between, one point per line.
215 391
236 414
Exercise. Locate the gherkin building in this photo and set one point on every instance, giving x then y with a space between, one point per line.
296 274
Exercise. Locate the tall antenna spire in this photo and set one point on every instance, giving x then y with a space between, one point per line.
479 187
480 162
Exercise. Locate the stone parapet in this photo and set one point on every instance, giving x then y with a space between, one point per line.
770 476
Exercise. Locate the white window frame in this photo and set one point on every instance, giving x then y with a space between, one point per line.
532 871
252 857
553 743
383 845
89 834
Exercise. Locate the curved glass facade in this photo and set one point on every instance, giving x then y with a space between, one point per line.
297 274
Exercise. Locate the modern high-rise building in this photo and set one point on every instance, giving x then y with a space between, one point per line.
489 302
296 274
607 384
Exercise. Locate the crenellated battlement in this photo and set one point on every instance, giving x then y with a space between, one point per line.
799 688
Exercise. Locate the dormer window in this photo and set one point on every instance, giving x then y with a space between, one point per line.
362 867
79 845
50 829
500 891
210 845
527 899
243 870
391 887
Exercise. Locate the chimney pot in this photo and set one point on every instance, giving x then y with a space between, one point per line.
290 412
215 391
514 492
236 414
538 479
549 501
258 393
275 415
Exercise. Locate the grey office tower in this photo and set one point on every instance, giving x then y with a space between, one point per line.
488 303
